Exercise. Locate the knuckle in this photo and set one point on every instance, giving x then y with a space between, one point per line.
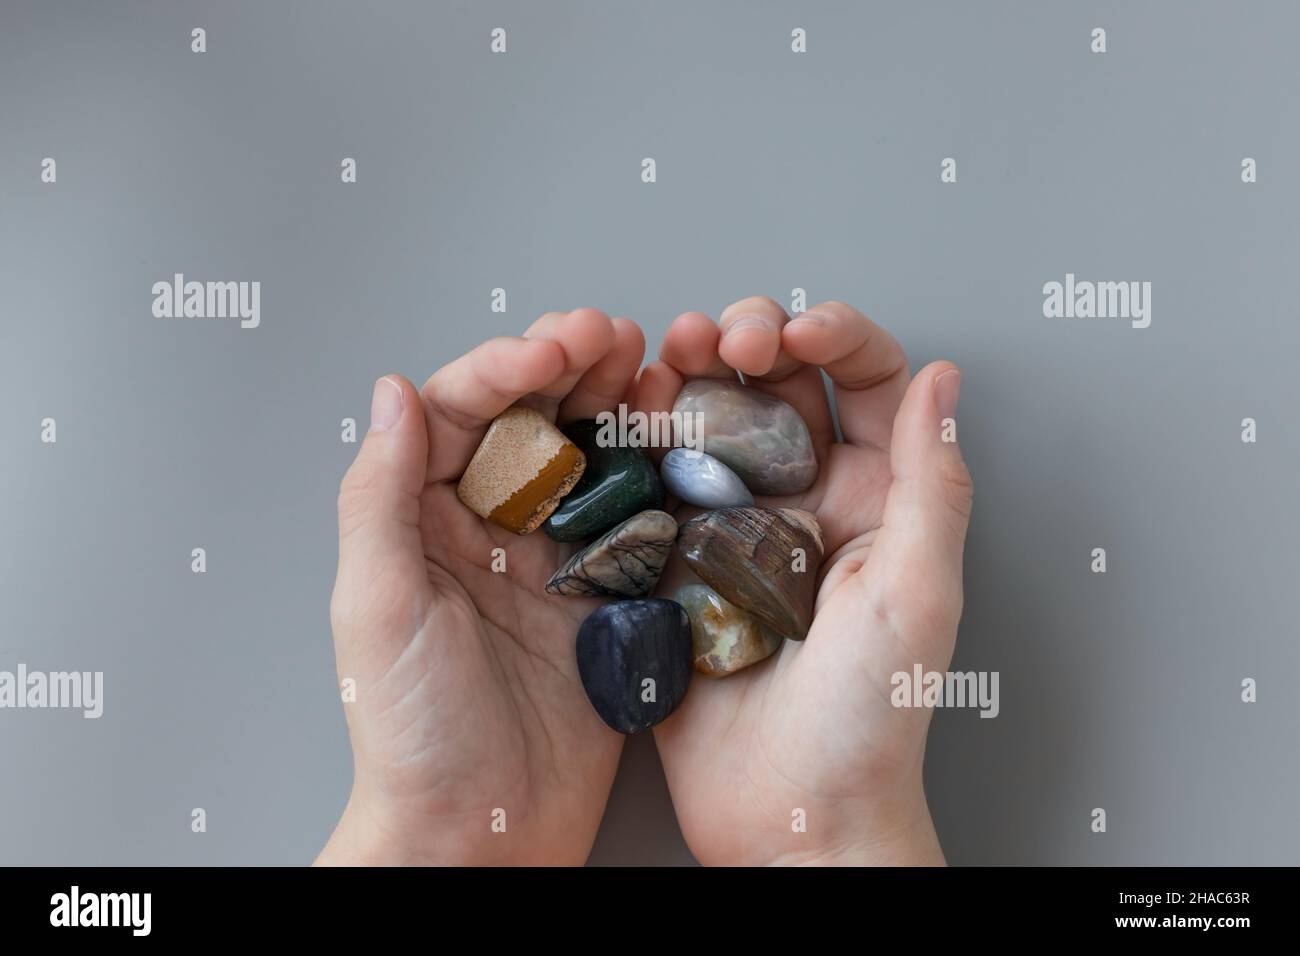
938 608
914 616
761 304
838 307
959 489
342 607
348 604
356 498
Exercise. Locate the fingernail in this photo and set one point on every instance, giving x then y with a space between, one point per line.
947 389
385 405
812 318
746 322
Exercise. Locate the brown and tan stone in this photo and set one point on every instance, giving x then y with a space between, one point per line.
763 560
523 467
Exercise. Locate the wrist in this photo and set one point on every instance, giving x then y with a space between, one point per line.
364 838
898 832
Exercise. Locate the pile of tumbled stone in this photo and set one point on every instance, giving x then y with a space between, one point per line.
758 565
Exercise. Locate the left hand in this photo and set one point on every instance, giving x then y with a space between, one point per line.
472 740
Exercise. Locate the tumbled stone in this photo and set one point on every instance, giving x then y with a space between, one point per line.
523 467
750 556
625 562
700 479
634 659
617 483
761 438
724 639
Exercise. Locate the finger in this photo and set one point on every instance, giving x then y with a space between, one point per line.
461 398
379 509
691 347
914 572
751 343
751 339
608 381
586 335
655 390
864 361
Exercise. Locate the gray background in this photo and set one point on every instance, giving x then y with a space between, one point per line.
775 170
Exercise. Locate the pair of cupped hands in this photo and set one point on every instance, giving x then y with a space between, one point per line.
473 741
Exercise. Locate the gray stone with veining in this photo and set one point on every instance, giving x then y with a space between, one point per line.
758 436
625 562
700 479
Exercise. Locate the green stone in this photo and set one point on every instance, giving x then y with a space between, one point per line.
618 482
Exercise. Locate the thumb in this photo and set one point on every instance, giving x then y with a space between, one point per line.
916 560
379 507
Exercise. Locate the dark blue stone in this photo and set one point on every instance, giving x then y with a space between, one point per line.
623 644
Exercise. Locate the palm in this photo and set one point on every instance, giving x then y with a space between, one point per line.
742 753
482 706
803 756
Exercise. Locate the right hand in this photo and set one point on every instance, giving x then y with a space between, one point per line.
812 733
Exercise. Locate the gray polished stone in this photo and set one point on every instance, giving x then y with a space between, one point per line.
761 438
700 479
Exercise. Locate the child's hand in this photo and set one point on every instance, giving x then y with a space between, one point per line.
468 708
813 729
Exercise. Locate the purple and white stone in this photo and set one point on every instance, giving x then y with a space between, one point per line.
759 437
